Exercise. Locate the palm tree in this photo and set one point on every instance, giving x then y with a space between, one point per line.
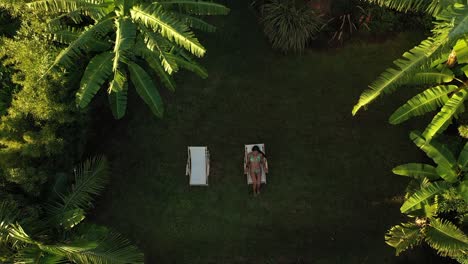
438 62
425 198
63 237
127 38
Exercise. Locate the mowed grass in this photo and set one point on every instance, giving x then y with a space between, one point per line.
329 193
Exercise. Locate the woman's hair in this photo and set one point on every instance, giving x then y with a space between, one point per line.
256 148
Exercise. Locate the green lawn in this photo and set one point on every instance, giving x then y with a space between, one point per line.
328 198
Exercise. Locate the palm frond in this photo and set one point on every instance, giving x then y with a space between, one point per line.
169 27
158 45
427 101
113 249
90 179
118 99
451 25
430 77
195 22
165 78
124 40
68 219
196 7
447 173
191 65
463 190
423 195
463 158
65 34
146 89
118 82
84 41
60 6
8 215
34 255
97 72
391 78
437 152
404 236
417 170
443 119
456 16
432 7
446 238
461 50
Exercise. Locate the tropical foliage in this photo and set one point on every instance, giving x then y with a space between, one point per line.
288 27
58 233
437 64
38 118
437 200
125 39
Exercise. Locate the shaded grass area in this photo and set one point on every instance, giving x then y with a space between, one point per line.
329 193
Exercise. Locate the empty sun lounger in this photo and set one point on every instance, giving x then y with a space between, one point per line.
198 165
247 149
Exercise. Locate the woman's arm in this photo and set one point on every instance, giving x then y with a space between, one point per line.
264 164
247 164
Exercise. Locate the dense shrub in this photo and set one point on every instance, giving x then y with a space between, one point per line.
288 27
42 121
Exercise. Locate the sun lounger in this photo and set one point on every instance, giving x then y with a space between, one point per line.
198 165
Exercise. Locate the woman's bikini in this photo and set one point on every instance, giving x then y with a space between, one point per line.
257 159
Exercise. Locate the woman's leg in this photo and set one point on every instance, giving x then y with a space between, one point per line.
259 181
254 181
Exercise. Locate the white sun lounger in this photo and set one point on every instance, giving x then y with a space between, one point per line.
247 149
198 165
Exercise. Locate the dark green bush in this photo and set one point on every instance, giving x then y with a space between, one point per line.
288 27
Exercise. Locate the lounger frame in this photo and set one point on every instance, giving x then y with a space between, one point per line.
188 169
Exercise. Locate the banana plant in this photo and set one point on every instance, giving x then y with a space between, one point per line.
61 235
129 40
423 202
439 64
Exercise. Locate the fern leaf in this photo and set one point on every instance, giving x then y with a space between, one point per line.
446 238
444 118
417 170
146 89
423 194
427 101
97 72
